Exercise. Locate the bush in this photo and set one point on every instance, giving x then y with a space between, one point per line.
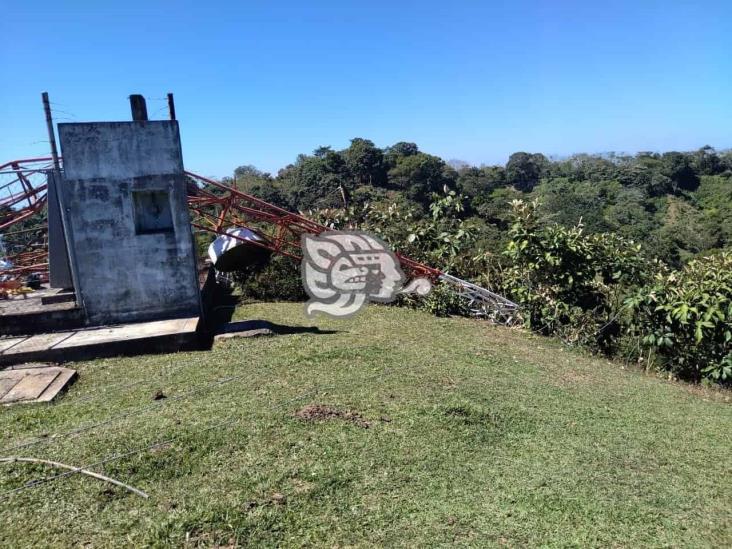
570 284
685 319
441 301
276 279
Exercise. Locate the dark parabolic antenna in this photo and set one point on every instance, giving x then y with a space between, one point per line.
236 250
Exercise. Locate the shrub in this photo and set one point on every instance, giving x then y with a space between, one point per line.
569 284
685 319
276 279
441 301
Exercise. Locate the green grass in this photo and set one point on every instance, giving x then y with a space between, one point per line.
478 435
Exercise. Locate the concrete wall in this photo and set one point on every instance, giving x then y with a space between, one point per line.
127 273
120 150
59 266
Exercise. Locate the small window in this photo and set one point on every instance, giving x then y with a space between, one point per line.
152 212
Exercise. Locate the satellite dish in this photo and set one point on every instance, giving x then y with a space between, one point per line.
236 250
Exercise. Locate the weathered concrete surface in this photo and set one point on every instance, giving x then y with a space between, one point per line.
33 383
58 295
161 336
120 150
29 315
59 266
125 272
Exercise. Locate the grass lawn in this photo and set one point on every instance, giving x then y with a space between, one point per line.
439 431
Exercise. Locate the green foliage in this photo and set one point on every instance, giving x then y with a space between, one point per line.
584 167
318 181
441 301
418 176
714 197
605 222
480 182
365 161
400 149
683 232
440 238
678 168
629 215
569 283
275 280
676 204
523 170
685 319
706 161
569 203
26 235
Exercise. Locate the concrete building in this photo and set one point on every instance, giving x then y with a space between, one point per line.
125 222
122 264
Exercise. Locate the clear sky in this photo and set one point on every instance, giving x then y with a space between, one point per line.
259 82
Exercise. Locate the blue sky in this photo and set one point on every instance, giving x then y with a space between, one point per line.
259 82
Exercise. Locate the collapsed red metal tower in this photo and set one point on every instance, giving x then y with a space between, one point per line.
24 196
279 229
23 229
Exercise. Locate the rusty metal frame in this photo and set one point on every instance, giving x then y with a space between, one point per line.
21 199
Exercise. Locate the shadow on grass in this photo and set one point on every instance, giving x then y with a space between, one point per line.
220 302
273 328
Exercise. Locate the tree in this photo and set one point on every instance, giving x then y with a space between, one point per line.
523 170
322 151
365 162
706 161
725 158
659 185
477 183
568 282
682 319
419 176
398 150
403 148
570 203
249 171
317 181
677 167
583 167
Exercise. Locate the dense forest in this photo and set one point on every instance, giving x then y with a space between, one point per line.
624 254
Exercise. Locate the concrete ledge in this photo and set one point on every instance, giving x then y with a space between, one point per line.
44 310
66 315
160 336
60 296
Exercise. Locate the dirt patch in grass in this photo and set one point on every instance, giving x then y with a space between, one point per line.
471 416
324 412
570 378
